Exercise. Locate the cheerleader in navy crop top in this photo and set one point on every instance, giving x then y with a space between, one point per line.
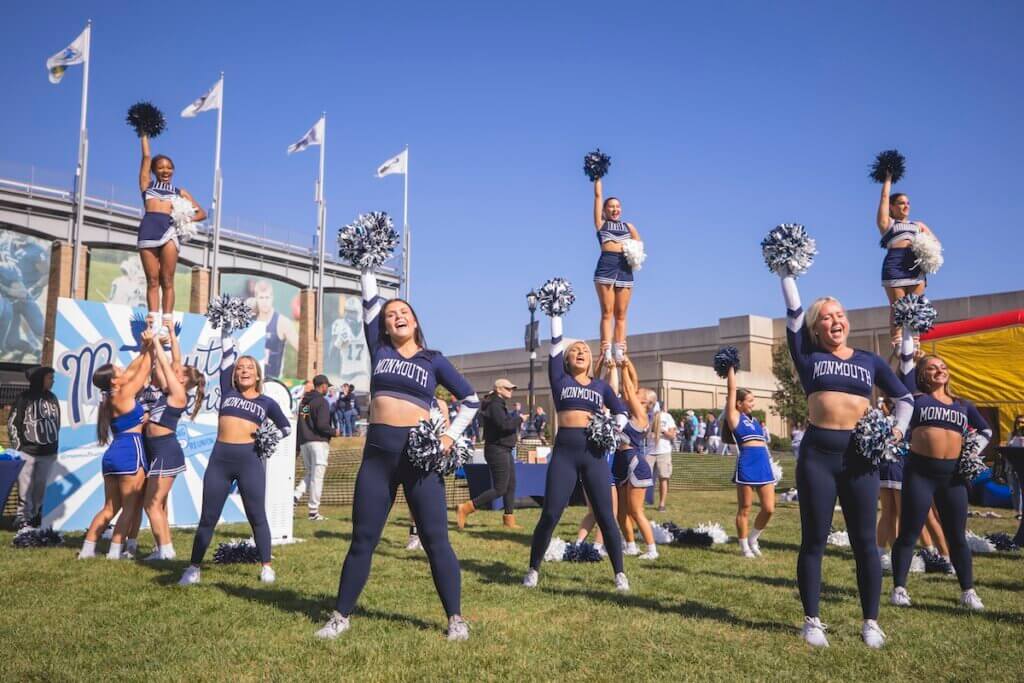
573 457
613 276
901 274
401 368
158 240
237 460
939 423
829 465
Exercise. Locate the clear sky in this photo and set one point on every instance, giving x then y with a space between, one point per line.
722 119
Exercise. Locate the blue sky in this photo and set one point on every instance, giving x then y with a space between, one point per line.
722 119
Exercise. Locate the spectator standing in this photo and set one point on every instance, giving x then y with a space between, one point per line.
347 410
701 436
659 440
540 422
797 435
712 434
689 431
314 436
33 426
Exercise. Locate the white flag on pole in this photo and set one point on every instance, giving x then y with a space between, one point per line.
75 53
396 164
210 100
314 136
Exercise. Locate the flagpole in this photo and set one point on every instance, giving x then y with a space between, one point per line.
83 165
405 228
214 279
320 219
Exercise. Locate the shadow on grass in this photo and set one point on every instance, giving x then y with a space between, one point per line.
828 591
522 537
493 572
1001 585
322 533
315 610
954 609
686 608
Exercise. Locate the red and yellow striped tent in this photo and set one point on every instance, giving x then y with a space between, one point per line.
985 357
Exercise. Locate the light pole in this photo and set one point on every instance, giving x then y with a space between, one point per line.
531 348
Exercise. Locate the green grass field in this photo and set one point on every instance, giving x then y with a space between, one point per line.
693 614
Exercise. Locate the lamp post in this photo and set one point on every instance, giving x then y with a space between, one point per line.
531 348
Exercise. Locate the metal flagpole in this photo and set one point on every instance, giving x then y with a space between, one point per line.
214 279
321 216
83 164
406 248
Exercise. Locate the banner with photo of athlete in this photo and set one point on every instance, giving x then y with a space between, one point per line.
277 307
115 276
346 358
24 277
90 334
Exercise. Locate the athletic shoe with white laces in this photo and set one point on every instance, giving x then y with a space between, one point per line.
971 601
316 517
267 574
651 554
531 578
458 629
755 548
621 583
190 577
748 553
886 560
872 634
414 543
630 549
153 556
813 632
900 597
599 547
334 627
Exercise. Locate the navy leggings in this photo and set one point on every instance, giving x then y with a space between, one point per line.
573 458
829 465
384 468
231 462
925 479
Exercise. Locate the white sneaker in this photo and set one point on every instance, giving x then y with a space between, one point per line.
630 549
458 629
651 554
755 548
154 556
267 574
599 547
82 555
414 543
748 553
190 577
886 560
531 578
872 635
971 601
813 632
621 583
316 517
334 627
899 597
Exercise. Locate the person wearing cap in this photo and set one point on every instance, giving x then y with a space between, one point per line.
33 426
314 436
501 429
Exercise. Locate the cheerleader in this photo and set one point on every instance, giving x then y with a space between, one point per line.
838 381
753 466
939 422
158 238
578 395
613 277
166 458
632 474
124 462
243 409
900 274
405 376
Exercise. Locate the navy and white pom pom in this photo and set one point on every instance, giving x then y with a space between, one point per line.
873 436
916 311
595 164
727 357
1003 542
236 552
934 563
888 163
266 438
788 249
970 463
556 296
695 538
458 455
581 552
29 537
368 241
601 433
426 452
146 119
229 313
927 252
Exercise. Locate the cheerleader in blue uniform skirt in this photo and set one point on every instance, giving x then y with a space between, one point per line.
753 466
124 462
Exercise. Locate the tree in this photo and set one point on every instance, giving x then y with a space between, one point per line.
790 400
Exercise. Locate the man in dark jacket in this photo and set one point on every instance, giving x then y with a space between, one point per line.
314 435
501 429
33 426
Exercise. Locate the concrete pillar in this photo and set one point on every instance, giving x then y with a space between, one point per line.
199 295
310 361
59 285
